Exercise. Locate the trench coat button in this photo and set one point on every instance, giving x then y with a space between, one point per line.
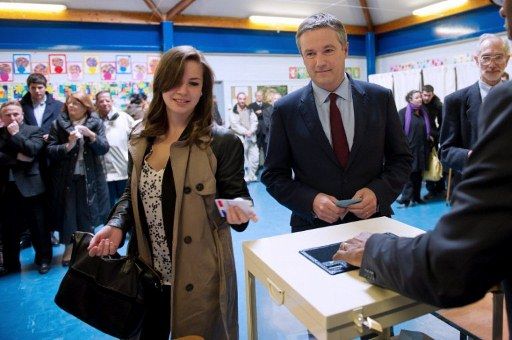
200 187
187 239
187 190
189 287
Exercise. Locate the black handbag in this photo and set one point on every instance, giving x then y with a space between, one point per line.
106 292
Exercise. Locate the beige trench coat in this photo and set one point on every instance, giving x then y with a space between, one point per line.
204 293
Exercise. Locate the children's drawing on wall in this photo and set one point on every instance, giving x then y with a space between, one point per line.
57 63
75 71
66 89
152 64
292 72
41 68
91 64
269 91
21 63
302 73
139 71
355 72
108 71
17 91
5 71
4 93
124 65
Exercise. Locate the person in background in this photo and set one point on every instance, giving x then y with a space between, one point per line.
336 138
75 145
505 76
138 106
416 123
434 108
217 118
180 162
257 107
459 129
267 117
41 109
118 125
244 123
21 189
469 250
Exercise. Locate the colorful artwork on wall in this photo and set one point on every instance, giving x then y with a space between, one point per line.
355 72
41 68
153 63
108 71
6 71
4 93
58 63
92 64
75 71
139 71
21 63
124 64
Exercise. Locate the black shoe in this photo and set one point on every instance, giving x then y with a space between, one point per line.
404 202
429 196
45 268
65 263
3 271
419 201
25 243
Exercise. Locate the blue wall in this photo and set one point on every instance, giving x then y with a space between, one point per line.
476 22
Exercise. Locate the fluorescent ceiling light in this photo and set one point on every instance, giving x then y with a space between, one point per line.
454 31
257 19
438 7
19 6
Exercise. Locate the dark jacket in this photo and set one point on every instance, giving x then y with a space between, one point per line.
301 162
418 140
469 250
204 294
29 142
435 113
51 112
63 166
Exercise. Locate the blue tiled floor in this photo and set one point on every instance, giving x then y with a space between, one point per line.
27 310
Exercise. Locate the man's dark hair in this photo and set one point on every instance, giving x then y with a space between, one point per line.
36 78
428 88
138 98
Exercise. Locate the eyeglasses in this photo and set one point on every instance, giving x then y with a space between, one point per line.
498 2
486 59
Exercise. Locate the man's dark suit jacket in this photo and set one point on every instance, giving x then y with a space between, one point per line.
301 162
469 251
29 142
459 130
51 112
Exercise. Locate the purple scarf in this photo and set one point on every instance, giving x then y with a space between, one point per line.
408 116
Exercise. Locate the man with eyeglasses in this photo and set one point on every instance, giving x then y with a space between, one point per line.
469 250
459 130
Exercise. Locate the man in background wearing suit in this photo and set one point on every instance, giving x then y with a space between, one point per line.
336 138
41 109
21 189
469 250
460 111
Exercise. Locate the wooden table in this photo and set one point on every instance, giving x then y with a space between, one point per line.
330 306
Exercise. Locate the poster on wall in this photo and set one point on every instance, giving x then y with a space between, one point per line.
57 63
21 63
123 63
108 71
269 91
139 71
153 63
75 71
4 93
64 90
5 71
41 68
91 64
355 72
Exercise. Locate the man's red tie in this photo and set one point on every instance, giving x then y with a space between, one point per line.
338 136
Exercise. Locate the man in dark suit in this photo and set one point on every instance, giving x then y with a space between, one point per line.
336 138
469 250
21 189
460 111
258 107
41 109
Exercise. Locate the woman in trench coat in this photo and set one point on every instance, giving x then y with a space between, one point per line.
179 163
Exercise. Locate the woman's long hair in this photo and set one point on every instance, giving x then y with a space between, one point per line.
169 74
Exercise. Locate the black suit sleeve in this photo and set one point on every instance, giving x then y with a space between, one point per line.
469 250
452 155
28 141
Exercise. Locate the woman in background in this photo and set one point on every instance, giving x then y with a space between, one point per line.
179 163
416 125
75 145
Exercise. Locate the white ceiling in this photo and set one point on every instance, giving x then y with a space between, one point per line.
349 11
